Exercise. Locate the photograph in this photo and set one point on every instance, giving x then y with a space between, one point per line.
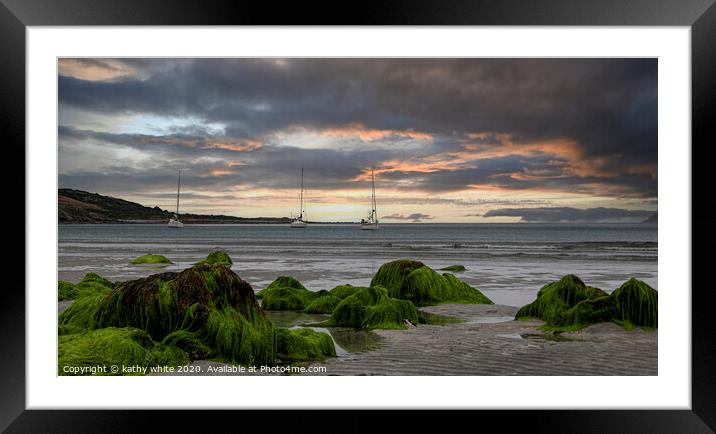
357 216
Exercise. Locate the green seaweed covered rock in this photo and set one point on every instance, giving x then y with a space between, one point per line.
373 308
114 346
636 303
66 291
414 281
302 344
91 284
556 298
590 311
217 257
323 304
285 298
81 315
569 303
94 278
282 282
151 259
285 293
206 308
343 291
393 275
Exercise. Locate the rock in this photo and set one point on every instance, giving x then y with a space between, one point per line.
414 281
323 304
373 308
129 349
204 308
570 304
217 257
636 303
151 259
303 344
454 268
286 293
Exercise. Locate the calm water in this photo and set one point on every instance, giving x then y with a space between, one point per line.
509 262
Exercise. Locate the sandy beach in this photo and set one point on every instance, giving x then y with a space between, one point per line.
508 264
489 344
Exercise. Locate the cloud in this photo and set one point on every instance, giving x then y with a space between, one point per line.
429 127
415 217
566 214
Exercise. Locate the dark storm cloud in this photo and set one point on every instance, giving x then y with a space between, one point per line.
272 166
606 106
415 217
565 214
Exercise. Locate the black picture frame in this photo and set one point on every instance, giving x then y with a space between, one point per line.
16 15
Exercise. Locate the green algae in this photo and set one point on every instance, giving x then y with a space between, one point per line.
590 311
80 315
636 303
570 305
66 291
285 282
292 318
236 338
392 275
460 292
113 346
371 308
286 293
281 282
217 257
323 304
343 291
97 279
206 310
91 284
414 281
556 298
303 344
286 298
151 259
454 268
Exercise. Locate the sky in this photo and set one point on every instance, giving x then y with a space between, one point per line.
470 140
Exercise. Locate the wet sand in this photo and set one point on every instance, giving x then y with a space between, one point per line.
488 343
479 347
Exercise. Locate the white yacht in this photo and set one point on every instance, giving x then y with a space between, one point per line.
299 222
174 222
371 223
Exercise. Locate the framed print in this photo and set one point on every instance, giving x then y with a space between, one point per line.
428 207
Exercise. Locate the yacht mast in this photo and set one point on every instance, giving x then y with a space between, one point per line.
178 184
372 175
300 210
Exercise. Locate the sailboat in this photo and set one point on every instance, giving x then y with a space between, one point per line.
174 221
371 223
298 222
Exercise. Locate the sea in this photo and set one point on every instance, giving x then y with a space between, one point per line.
507 262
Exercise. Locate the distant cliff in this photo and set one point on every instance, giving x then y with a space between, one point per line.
76 206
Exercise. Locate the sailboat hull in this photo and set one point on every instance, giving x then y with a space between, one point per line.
298 225
369 226
175 224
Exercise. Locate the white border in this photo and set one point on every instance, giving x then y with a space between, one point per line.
670 389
